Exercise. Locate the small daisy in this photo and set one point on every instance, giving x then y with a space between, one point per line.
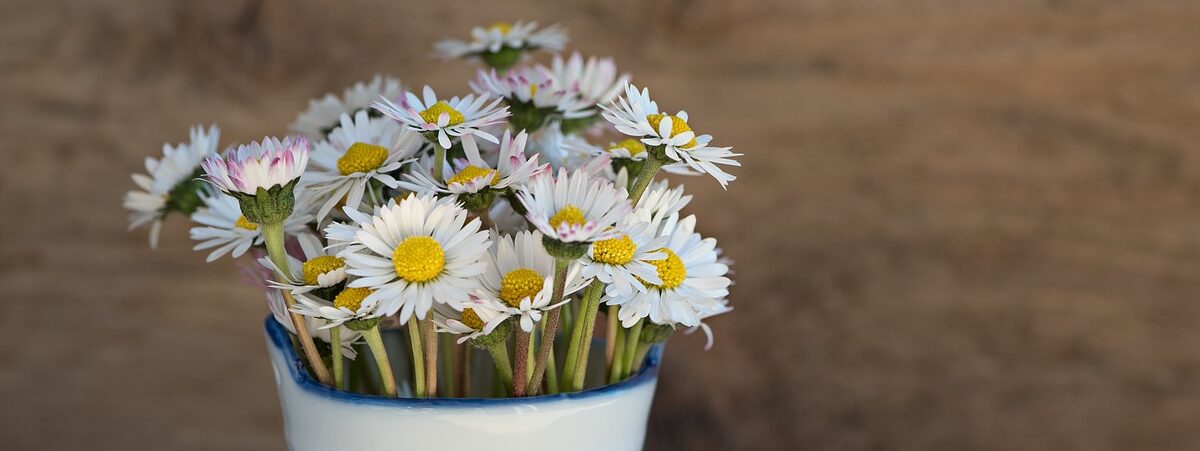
660 206
169 183
322 114
624 262
692 282
594 82
479 317
264 164
439 120
320 269
224 227
500 36
533 95
414 252
475 175
636 115
317 328
351 304
574 208
362 149
520 274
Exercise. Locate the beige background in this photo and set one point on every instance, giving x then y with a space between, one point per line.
960 225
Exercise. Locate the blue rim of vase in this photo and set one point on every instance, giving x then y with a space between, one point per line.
280 338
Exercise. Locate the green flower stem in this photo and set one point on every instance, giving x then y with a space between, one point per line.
381 360
504 370
335 353
273 236
418 361
645 176
610 339
551 374
561 265
614 369
439 160
429 339
639 357
521 351
575 369
631 343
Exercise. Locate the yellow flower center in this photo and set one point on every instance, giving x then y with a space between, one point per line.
244 223
351 298
362 157
471 319
434 111
320 265
615 251
519 284
470 173
419 259
569 214
532 90
634 146
677 126
670 270
502 27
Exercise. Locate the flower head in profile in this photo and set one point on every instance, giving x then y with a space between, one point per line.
414 252
474 175
360 151
636 115
533 96
520 275
261 175
595 81
170 183
692 281
479 317
320 271
501 44
574 207
223 228
322 114
441 120
318 327
350 305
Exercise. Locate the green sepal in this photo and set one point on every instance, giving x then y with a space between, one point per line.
655 333
478 202
364 324
633 167
503 59
499 336
526 116
564 251
271 206
569 126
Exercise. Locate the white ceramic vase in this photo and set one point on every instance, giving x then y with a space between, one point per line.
319 418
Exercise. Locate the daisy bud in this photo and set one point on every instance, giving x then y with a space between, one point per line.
498 335
261 176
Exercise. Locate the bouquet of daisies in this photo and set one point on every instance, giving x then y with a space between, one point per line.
506 221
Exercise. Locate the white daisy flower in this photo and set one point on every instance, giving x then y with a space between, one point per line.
322 114
533 95
479 317
414 252
264 164
223 227
361 150
317 328
168 184
440 120
520 274
638 116
500 36
350 304
475 175
693 283
624 262
660 206
574 208
709 310
627 154
594 82
320 268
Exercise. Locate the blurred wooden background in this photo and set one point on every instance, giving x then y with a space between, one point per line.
960 225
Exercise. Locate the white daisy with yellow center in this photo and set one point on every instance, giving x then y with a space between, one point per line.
415 252
594 82
474 174
520 274
320 268
479 317
659 207
350 304
318 328
262 164
168 184
361 150
690 281
500 35
636 115
624 262
322 114
534 86
575 207
440 120
223 227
